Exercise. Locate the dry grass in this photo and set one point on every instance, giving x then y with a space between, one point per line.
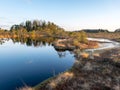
25 88
97 54
104 35
85 55
60 79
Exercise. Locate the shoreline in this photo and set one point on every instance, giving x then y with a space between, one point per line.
65 44
98 58
84 66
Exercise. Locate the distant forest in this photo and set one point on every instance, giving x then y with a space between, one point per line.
98 30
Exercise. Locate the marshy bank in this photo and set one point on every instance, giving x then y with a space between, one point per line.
87 74
115 36
70 44
99 73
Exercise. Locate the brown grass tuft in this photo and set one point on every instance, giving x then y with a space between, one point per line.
25 88
60 79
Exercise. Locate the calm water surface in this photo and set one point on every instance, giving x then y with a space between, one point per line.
25 63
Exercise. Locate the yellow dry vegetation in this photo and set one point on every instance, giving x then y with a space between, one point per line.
60 79
85 55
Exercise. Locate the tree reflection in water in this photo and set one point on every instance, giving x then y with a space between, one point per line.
36 42
3 40
61 54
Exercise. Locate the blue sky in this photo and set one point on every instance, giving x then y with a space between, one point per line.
69 14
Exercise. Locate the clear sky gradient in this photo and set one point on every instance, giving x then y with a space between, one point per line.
69 14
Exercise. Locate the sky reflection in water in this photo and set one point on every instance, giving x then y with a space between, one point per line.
26 64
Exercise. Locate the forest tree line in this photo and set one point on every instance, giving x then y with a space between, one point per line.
40 28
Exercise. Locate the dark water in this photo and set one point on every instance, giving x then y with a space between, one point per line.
30 62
